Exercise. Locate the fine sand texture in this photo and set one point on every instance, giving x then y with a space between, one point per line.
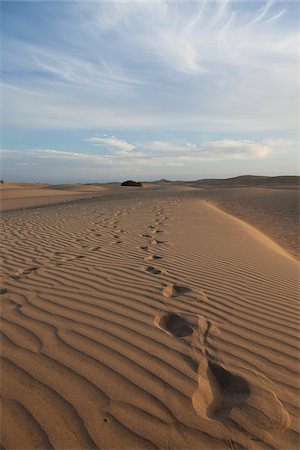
275 211
150 319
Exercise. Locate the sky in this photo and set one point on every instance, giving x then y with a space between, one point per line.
106 91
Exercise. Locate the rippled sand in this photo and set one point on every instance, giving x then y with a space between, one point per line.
149 319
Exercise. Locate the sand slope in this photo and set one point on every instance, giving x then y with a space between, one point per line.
273 211
28 195
146 323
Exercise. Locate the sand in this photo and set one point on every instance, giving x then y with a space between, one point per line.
274 211
29 195
147 319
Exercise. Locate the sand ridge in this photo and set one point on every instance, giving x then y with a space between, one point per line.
27 195
146 323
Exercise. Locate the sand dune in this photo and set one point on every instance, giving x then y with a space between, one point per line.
28 195
150 321
15 196
275 212
77 187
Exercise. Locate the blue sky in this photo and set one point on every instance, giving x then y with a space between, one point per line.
100 91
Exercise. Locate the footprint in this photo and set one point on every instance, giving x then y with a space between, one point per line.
174 290
152 257
219 390
174 324
157 242
17 275
233 390
229 395
153 270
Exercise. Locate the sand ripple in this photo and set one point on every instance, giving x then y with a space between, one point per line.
146 323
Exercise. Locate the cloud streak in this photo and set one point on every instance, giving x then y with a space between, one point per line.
157 152
151 160
111 142
154 65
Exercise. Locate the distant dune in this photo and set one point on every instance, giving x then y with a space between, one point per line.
26 195
76 187
251 180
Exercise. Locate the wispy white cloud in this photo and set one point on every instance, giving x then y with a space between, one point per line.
156 64
149 160
111 142
225 149
262 12
158 152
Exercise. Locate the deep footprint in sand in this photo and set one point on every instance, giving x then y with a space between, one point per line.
152 257
157 242
234 390
153 270
219 390
227 395
174 324
176 290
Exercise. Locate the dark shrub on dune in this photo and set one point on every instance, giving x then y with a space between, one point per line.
132 183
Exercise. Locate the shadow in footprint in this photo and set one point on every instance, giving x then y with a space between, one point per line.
219 391
157 242
175 325
153 270
234 390
152 257
23 272
174 290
